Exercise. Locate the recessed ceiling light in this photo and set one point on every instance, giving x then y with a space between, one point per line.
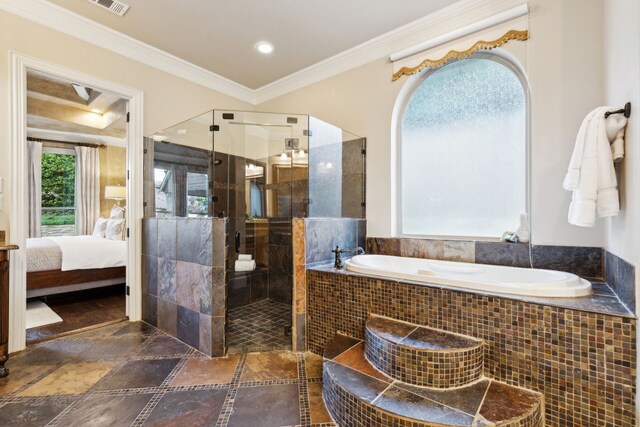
264 47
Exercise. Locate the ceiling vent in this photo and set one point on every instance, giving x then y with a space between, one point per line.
114 6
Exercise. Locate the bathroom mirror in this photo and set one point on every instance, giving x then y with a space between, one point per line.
255 189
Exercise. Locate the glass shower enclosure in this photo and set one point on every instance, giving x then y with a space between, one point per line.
258 170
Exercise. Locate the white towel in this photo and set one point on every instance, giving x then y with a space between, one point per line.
245 265
616 125
244 257
591 175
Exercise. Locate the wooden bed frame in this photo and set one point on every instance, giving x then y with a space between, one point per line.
41 280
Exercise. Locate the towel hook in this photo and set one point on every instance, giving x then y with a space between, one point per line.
626 111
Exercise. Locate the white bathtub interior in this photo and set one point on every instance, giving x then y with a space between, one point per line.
481 277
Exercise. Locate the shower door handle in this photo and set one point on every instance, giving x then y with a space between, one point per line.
237 242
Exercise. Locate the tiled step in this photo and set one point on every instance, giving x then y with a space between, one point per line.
422 356
358 395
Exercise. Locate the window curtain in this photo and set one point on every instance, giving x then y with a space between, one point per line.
34 167
490 33
87 189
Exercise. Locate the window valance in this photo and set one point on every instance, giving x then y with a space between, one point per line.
490 33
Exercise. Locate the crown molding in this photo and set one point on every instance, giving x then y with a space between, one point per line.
439 22
60 19
67 22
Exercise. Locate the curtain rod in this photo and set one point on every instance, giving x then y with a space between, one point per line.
483 24
80 144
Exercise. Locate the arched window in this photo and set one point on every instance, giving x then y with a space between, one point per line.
463 150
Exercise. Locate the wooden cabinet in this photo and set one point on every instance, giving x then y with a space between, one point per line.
4 307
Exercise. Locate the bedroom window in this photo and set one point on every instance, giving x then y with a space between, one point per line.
197 197
164 190
58 192
463 151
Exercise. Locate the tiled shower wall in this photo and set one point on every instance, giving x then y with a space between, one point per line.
590 262
313 240
183 279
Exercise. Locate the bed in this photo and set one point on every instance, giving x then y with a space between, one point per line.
71 263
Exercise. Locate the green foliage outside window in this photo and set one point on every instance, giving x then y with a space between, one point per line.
58 188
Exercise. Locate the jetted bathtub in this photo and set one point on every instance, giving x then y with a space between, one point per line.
481 277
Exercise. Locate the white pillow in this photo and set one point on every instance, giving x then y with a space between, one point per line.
117 212
100 229
115 229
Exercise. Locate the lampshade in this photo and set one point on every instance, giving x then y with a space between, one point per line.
115 192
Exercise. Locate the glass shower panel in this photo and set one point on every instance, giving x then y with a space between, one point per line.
325 169
182 169
353 175
336 172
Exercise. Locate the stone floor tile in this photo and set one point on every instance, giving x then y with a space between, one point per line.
187 408
201 371
71 378
112 347
389 329
135 328
30 414
164 346
354 358
338 345
313 365
318 411
266 406
106 411
138 374
363 386
401 402
503 402
270 366
20 377
259 327
466 399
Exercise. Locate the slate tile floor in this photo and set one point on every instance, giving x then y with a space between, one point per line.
259 327
131 374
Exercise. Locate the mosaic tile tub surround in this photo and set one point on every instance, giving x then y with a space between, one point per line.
313 240
183 280
589 262
422 356
621 276
532 345
357 394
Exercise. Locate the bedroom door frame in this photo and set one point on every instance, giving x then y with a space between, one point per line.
18 220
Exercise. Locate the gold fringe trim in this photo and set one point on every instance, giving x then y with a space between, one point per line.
454 54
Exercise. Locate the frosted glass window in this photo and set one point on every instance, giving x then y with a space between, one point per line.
463 152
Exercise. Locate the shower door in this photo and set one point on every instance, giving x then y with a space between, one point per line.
262 170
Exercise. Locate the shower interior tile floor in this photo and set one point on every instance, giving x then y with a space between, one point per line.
131 374
262 326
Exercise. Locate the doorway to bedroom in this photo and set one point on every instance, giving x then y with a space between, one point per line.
76 249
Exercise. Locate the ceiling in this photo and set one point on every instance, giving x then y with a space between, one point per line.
56 110
220 35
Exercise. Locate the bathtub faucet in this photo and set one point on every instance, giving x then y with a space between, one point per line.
338 264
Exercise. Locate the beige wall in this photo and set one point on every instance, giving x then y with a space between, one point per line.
167 99
564 66
113 171
622 84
